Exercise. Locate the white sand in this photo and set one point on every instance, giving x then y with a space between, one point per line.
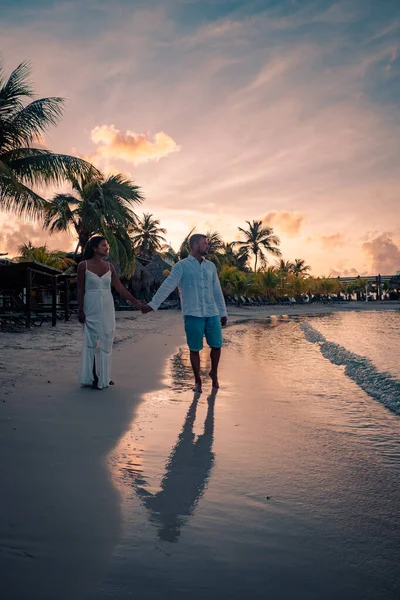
59 511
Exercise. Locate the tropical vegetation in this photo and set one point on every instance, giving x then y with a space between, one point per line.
98 205
258 241
147 236
41 254
24 166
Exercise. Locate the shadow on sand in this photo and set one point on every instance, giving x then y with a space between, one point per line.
187 472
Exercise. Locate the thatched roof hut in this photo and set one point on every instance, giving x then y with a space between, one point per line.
156 268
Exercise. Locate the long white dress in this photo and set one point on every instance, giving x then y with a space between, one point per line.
99 329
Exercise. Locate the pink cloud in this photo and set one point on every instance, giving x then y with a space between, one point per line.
285 221
332 241
131 147
383 253
20 232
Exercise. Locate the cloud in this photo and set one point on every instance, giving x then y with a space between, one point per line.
19 233
131 147
265 105
285 221
393 57
332 241
383 253
346 273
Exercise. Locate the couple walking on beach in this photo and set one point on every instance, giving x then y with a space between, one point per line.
203 308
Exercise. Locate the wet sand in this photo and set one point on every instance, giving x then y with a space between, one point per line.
60 510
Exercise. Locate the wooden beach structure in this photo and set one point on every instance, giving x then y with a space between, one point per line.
30 291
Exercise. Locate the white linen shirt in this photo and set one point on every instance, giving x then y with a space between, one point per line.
199 287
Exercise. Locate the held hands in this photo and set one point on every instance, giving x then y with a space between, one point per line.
139 305
81 317
224 321
146 309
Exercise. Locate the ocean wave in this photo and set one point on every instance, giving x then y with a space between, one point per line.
381 386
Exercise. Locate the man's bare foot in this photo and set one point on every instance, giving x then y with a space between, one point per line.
214 378
197 387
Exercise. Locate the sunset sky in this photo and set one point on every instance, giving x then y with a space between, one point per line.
225 111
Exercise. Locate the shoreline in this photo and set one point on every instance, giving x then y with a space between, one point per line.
61 514
307 310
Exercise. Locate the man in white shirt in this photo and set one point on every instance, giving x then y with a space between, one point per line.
203 305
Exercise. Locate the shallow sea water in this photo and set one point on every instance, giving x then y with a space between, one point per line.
285 484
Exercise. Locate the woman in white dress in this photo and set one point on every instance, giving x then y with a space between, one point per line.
96 312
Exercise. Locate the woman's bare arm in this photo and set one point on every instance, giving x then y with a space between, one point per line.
81 290
122 291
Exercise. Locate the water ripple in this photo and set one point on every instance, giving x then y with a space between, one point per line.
381 386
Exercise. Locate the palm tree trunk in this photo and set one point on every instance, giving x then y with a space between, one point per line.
255 264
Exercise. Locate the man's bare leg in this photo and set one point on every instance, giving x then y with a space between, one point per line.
195 362
215 356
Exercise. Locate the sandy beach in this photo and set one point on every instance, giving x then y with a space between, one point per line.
61 514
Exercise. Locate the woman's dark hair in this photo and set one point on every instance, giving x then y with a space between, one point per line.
91 246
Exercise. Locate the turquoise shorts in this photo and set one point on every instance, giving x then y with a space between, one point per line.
198 327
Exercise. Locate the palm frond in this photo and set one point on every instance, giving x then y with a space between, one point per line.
44 167
16 87
17 197
59 214
30 121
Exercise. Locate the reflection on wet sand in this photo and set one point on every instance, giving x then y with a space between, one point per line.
187 472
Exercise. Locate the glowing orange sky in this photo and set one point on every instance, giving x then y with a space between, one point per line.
226 112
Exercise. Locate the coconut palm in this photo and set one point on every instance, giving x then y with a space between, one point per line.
41 254
215 242
100 205
259 240
240 285
268 281
348 289
284 267
147 236
300 269
297 286
226 274
170 255
230 256
326 286
22 165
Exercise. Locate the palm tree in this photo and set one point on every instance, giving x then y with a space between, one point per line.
170 255
41 254
238 284
101 205
268 281
229 256
259 239
226 274
215 242
22 165
326 285
300 269
147 236
284 267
